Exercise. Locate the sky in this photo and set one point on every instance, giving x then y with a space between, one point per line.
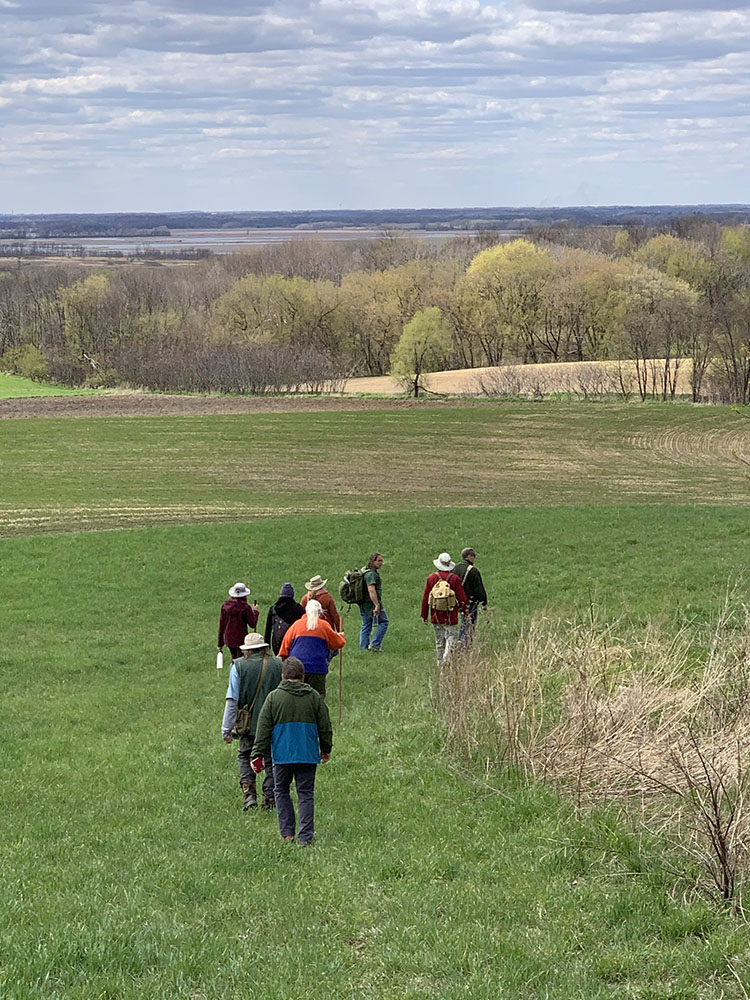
171 105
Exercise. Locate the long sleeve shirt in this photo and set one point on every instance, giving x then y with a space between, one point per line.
236 620
444 617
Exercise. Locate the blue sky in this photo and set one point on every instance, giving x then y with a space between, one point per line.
184 104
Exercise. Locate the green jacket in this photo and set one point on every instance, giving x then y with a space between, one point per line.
294 725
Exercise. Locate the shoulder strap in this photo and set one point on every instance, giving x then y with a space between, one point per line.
468 570
260 681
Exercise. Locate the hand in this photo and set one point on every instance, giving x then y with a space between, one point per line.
484 607
257 764
255 602
376 610
324 758
424 621
228 739
220 648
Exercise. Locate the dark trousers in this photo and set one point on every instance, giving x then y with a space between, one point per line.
304 779
317 682
247 775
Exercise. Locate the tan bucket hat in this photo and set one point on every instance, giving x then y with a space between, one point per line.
315 583
254 640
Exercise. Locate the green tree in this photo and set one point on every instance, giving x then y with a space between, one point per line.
511 277
423 346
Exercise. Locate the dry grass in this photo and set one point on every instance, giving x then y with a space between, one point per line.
656 723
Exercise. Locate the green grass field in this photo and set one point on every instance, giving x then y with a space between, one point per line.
17 387
129 870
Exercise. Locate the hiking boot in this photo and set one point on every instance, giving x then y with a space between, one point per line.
305 843
373 649
288 839
250 800
267 804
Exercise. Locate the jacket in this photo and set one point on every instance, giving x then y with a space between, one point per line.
287 610
471 578
243 683
444 617
236 620
311 645
330 612
294 725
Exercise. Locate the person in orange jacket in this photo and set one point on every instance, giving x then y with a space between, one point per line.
311 639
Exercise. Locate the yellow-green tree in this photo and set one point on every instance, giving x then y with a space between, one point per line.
511 277
424 346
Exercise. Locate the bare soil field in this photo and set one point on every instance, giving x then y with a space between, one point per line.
135 404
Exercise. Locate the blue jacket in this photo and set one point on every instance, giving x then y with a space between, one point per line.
294 725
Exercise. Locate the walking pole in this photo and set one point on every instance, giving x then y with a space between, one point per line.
341 681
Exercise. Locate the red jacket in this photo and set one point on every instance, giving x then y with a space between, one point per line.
236 620
444 617
327 603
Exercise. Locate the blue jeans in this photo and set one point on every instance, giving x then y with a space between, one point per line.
370 621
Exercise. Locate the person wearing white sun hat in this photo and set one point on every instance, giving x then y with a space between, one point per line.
442 600
237 619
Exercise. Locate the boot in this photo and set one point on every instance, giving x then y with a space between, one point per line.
267 804
250 800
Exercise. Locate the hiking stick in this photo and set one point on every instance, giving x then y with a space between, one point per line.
341 681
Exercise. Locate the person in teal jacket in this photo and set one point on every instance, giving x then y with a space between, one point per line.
294 725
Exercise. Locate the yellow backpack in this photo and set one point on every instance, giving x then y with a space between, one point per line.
442 597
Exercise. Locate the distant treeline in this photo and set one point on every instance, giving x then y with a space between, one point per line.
305 314
142 224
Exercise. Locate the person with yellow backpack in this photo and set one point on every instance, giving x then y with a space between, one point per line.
442 600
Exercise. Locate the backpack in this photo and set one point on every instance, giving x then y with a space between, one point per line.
279 629
442 597
352 588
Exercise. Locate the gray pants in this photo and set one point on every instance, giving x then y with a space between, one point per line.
304 779
247 775
446 637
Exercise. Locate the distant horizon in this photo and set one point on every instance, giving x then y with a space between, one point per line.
620 206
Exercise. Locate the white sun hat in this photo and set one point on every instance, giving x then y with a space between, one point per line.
239 590
443 562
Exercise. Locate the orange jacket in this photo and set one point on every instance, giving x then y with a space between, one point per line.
322 631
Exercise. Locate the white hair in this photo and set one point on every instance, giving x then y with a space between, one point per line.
313 609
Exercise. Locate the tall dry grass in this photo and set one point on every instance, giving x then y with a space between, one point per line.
655 722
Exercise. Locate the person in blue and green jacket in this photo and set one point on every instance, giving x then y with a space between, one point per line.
294 725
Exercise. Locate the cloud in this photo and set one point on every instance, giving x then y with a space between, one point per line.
235 92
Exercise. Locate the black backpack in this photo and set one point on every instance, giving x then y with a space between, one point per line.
352 588
279 629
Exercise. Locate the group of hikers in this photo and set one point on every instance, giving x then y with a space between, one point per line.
275 702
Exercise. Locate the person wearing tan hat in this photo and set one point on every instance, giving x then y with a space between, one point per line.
252 678
476 595
316 589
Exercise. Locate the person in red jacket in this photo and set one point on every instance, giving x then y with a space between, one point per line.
237 619
441 606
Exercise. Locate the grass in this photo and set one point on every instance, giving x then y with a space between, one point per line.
70 474
129 870
18 387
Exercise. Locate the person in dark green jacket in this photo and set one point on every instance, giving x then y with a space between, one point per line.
295 727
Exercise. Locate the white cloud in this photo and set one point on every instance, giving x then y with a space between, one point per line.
308 101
